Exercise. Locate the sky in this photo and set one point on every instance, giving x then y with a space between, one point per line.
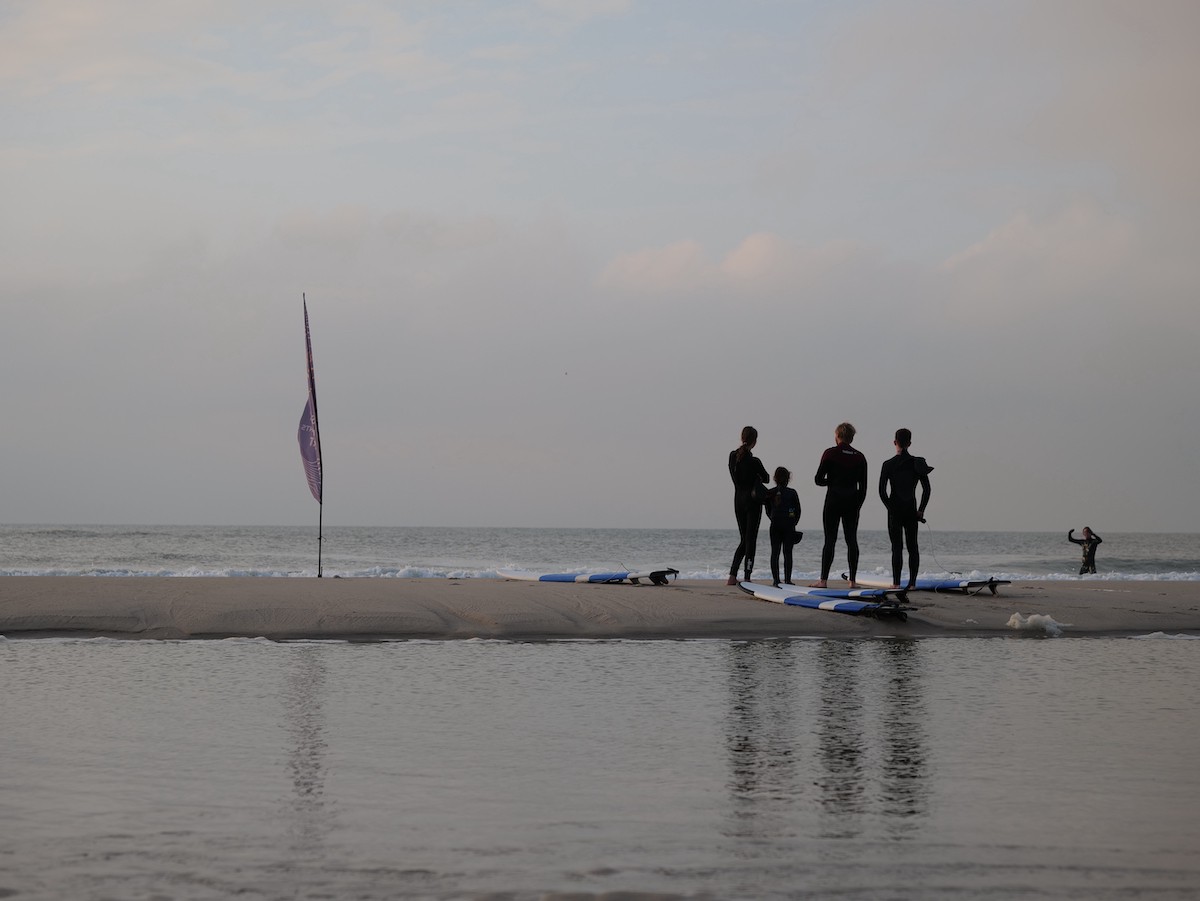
557 254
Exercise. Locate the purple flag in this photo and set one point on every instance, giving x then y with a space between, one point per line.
309 435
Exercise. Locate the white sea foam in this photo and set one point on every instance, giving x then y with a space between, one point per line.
1037 622
1166 636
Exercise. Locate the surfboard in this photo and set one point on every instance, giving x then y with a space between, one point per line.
963 586
653 576
875 602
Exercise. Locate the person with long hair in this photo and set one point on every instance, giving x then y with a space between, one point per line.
749 475
843 474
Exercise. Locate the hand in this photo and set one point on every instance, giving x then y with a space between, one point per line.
920 517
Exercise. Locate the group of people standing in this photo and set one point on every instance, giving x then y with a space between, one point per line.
843 474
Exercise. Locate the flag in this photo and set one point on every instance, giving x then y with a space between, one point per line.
309 435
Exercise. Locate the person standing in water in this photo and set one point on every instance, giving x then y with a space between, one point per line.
783 509
749 476
843 473
902 473
1089 541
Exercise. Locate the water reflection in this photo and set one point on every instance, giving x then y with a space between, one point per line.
310 819
843 744
761 737
906 767
830 731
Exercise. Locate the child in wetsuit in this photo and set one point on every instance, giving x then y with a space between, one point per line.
1089 541
783 509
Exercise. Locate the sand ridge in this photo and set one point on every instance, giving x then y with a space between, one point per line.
334 608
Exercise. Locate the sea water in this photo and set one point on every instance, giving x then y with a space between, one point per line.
392 552
865 769
861 769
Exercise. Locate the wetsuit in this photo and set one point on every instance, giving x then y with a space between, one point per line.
748 474
904 472
1089 550
843 472
783 509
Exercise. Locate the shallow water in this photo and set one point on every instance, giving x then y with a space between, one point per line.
869 769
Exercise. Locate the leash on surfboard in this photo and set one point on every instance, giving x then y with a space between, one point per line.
936 561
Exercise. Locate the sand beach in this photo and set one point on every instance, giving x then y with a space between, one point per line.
372 609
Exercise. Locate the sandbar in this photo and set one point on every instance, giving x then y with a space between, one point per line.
379 609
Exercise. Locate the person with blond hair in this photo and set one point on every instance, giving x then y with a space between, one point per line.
843 474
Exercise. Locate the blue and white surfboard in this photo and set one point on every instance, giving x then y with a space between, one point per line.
964 586
653 576
877 602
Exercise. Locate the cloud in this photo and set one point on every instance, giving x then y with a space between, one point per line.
760 262
1028 263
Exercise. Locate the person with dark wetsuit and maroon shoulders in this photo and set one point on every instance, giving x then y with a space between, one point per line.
843 474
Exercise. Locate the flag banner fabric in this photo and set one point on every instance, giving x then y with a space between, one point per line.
309 434
310 449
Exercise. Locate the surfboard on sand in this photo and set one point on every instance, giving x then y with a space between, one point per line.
879 603
961 586
653 576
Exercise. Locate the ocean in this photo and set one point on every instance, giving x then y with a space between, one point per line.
469 553
863 769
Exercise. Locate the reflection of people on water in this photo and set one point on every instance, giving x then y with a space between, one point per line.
761 735
1089 541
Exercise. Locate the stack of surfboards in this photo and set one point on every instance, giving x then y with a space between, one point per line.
875 602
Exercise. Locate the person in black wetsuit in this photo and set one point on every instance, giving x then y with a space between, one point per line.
1089 541
902 473
749 476
843 473
783 509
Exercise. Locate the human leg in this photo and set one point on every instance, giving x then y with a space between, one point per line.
914 551
850 529
741 511
829 520
896 536
750 538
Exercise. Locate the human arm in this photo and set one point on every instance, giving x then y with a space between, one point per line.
926 490
861 495
1071 538
822 476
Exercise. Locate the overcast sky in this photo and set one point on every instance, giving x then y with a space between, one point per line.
557 254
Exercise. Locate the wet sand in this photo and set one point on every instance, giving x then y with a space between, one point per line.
371 609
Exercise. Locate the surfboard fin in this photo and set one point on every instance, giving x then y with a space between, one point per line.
659 577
